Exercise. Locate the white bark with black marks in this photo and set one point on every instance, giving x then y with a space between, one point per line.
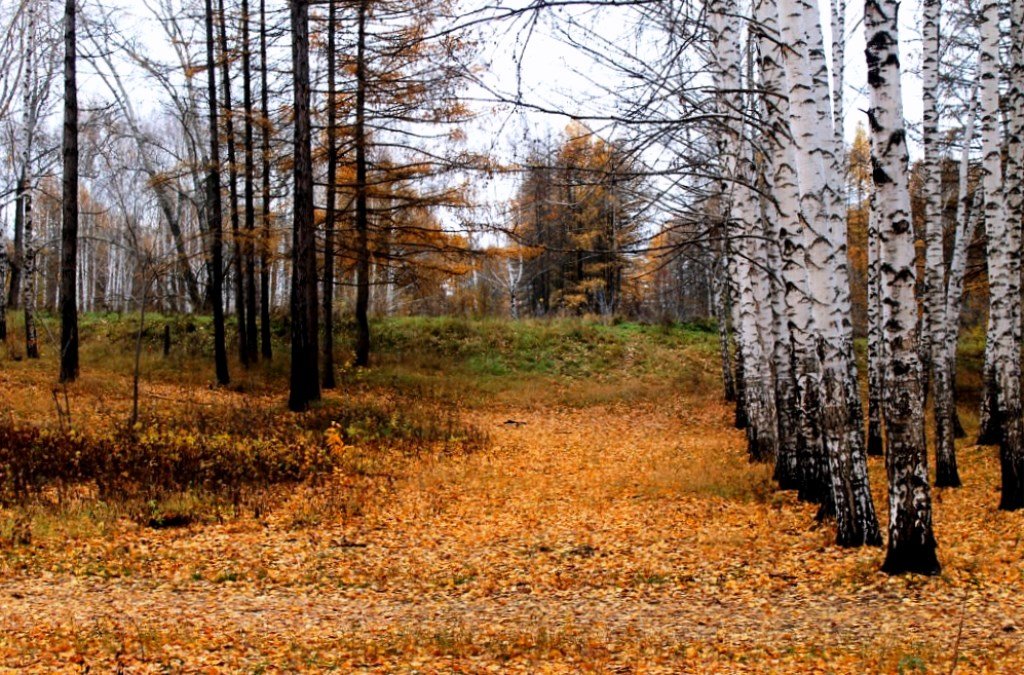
1003 233
820 184
934 323
911 540
797 381
744 232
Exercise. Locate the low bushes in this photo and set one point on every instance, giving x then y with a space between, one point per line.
225 452
151 463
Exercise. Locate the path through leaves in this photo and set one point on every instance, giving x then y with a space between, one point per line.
612 538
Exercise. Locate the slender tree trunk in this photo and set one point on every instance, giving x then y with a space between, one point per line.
214 214
17 259
838 211
28 299
720 291
741 417
839 67
1015 116
305 375
69 227
229 134
5 268
820 183
966 223
362 215
911 541
1003 272
876 340
332 189
266 347
744 224
946 474
800 442
249 247
28 258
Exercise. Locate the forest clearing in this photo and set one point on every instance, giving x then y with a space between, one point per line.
599 514
537 336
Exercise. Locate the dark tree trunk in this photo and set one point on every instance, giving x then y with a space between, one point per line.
305 378
5 268
362 216
214 214
990 429
266 348
248 249
740 388
958 427
229 133
69 226
332 188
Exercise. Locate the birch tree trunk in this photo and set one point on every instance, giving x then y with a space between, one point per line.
800 449
967 219
1003 232
743 220
876 345
25 186
838 211
820 182
935 322
1015 116
741 417
838 67
911 541
723 310
28 286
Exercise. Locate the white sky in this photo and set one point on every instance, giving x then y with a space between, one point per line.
550 69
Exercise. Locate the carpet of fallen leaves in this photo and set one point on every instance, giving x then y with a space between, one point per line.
601 538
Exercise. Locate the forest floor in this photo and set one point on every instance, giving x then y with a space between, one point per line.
601 529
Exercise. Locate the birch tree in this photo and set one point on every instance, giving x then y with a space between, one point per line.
968 216
911 545
811 123
741 212
935 322
34 90
800 457
1003 233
